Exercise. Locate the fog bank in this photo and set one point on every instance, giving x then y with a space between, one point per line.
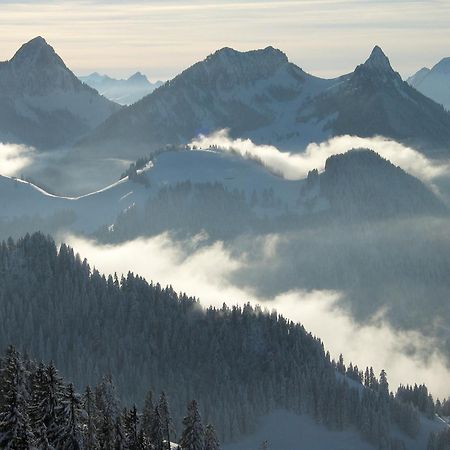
205 271
14 158
294 166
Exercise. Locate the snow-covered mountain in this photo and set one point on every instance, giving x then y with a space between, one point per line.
374 100
256 93
21 198
261 95
124 92
434 82
42 103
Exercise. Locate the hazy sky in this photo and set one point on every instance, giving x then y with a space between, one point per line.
160 38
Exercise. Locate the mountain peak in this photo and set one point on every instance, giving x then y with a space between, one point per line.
37 41
269 53
36 52
138 78
378 60
233 67
377 68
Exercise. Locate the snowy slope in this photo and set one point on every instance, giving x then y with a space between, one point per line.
42 103
287 431
434 82
124 92
19 198
358 184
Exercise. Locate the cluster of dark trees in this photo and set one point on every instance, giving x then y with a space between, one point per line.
187 209
135 166
38 409
134 171
419 397
361 185
443 407
239 363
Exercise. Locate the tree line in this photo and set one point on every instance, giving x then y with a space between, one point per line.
39 409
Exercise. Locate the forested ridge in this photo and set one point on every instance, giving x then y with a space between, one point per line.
239 363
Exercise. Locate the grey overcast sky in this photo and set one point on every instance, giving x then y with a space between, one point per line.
161 38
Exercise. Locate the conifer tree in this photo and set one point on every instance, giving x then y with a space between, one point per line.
107 407
157 430
118 439
211 441
166 421
131 427
69 417
384 385
15 429
88 420
51 394
147 414
193 434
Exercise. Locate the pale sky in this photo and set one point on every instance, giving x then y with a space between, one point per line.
160 38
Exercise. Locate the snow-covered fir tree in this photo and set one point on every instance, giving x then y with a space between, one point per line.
211 441
39 410
193 437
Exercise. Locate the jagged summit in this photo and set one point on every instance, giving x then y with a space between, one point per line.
36 52
35 43
244 66
262 52
377 68
138 78
38 41
268 54
42 102
378 60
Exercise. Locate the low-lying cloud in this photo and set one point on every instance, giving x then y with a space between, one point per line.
14 158
205 271
294 166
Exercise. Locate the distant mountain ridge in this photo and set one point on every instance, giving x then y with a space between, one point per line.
124 92
42 103
261 95
255 94
434 82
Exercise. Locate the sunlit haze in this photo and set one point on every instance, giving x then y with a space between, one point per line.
324 37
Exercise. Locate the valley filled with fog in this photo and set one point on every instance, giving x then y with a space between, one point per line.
349 279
